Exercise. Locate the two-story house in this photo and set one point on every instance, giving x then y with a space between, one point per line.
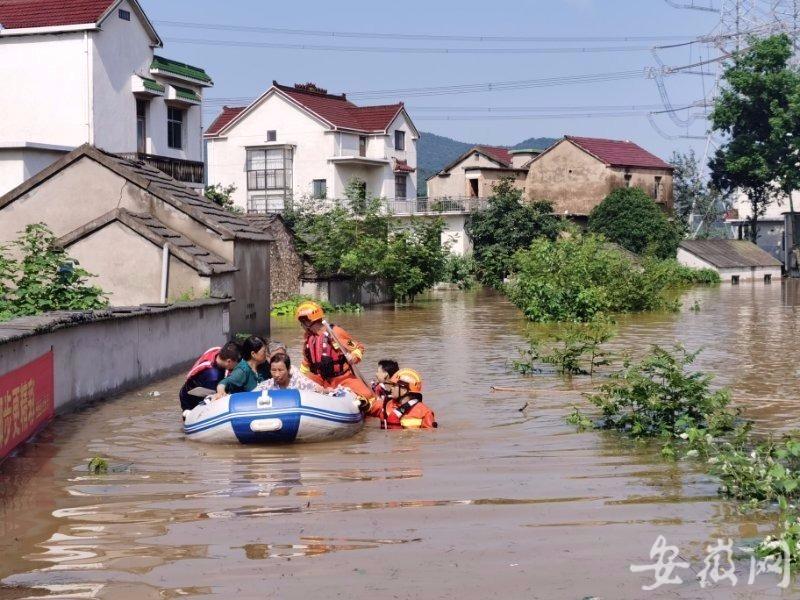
300 141
85 71
577 173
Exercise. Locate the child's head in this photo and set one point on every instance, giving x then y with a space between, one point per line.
280 368
229 356
386 368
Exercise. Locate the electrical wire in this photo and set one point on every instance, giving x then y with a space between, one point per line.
417 36
405 50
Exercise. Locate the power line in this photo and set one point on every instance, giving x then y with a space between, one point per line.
417 36
405 50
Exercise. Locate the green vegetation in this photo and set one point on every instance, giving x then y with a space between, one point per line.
757 113
221 196
506 226
98 466
580 277
575 349
460 270
44 278
357 239
693 195
662 398
288 307
630 218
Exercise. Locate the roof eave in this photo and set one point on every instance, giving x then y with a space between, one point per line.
49 30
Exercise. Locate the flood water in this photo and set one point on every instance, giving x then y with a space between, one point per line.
496 503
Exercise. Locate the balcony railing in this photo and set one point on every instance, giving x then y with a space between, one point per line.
434 206
187 171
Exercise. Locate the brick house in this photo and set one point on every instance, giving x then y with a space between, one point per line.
577 173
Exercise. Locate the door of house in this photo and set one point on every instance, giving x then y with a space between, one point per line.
473 188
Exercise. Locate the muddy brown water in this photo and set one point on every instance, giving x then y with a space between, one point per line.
496 503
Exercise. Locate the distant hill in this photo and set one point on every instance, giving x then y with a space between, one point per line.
434 152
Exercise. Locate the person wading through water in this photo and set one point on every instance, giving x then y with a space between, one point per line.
404 409
324 361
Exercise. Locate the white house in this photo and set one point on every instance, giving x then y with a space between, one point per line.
735 260
300 141
84 71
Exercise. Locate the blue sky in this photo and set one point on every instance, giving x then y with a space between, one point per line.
243 72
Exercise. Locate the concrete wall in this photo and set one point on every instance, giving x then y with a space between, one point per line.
575 182
343 291
755 274
250 314
87 190
47 93
131 273
107 352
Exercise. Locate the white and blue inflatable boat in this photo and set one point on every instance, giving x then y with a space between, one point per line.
274 417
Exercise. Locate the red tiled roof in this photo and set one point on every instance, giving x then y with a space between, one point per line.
226 116
340 112
402 166
501 155
19 14
618 153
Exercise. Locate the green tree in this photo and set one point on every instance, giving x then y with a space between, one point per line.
758 112
630 218
44 279
694 195
507 225
415 259
221 195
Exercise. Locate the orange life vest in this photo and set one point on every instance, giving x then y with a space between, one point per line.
322 358
206 361
411 415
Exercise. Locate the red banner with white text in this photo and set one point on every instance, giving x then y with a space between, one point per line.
26 402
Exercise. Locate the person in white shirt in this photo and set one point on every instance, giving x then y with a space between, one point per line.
284 376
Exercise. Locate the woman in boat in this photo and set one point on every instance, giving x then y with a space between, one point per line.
250 370
285 377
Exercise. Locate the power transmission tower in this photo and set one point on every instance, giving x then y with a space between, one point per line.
739 21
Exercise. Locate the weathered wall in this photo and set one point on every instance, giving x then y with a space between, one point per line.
107 352
575 182
343 291
251 282
285 266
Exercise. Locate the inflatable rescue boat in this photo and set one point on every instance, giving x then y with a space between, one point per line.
274 417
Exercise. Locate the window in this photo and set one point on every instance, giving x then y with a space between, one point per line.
657 189
141 126
272 135
125 15
768 278
400 186
175 118
628 179
735 279
320 188
399 140
269 171
362 145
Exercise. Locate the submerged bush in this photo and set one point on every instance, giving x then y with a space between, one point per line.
460 270
575 349
660 397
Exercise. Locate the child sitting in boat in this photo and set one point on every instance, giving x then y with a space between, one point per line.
208 371
405 408
250 371
285 377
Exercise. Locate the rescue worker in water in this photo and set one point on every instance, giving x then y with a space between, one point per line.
404 408
324 361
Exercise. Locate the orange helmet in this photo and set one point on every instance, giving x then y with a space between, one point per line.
309 310
410 378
